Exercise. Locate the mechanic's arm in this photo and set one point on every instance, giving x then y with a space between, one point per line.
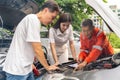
83 50
40 56
72 47
96 49
52 45
82 56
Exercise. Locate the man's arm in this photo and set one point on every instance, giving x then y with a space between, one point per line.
40 56
81 57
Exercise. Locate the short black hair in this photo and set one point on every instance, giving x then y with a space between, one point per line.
88 22
64 17
51 5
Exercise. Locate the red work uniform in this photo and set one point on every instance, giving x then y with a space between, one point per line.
95 47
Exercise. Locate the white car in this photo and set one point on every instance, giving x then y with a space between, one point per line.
45 43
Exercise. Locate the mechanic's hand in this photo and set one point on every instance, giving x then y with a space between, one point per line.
52 67
80 66
79 61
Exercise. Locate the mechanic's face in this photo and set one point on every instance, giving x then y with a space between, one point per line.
64 26
48 16
87 31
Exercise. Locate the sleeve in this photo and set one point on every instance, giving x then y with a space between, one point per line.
71 38
96 49
82 55
83 51
51 36
33 30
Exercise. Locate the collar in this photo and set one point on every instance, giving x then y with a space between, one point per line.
60 33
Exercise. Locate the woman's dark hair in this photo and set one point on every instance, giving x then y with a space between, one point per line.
51 5
88 22
64 17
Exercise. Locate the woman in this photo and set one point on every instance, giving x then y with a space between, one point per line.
59 35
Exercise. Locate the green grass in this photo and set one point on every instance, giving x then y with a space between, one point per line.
114 40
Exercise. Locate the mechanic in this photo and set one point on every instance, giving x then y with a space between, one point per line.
26 44
59 35
94 44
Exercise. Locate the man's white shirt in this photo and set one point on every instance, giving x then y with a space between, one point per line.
21 55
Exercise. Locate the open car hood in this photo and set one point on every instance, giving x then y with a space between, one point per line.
12 11
110 18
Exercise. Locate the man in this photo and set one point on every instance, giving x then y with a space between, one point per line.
26 44
94 44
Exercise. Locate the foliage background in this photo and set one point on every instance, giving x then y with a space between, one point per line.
115 41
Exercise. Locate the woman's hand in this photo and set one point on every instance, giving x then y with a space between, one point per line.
75 58
56 63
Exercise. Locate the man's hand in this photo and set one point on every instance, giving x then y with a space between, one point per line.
52 67
80 66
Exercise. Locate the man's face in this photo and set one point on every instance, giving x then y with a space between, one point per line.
64 26
48 16
87 31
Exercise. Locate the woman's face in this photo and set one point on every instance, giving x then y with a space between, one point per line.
64 26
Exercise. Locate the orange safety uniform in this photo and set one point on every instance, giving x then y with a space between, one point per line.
95 47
